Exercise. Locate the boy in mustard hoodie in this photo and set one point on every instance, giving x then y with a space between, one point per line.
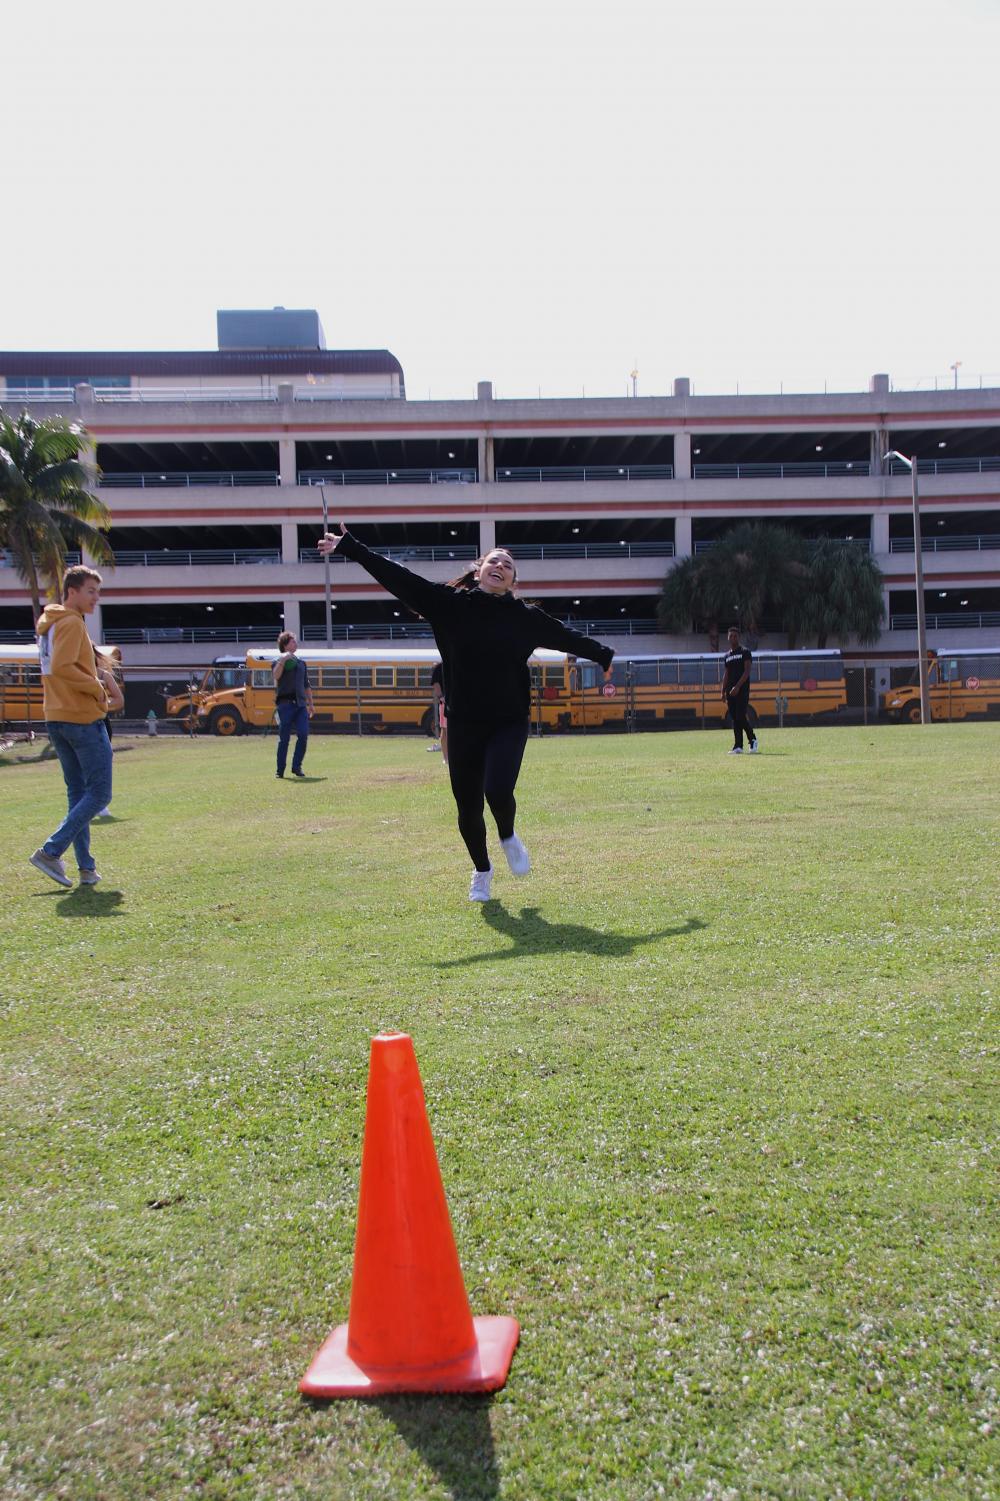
77 694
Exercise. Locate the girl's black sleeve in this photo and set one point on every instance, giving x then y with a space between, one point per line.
432 601
558 637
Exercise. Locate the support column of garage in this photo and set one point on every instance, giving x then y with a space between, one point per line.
486 466
288 477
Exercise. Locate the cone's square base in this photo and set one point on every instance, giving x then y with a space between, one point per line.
334 1374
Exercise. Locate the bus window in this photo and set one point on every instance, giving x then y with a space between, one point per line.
691 672
333 677
424 676
383 677
553 677
644 673
262 677
406 677
359 677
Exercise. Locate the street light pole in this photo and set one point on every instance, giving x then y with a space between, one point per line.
326 573
918 558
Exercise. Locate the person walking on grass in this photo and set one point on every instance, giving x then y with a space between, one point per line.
485 635
294 703
76 696
736 692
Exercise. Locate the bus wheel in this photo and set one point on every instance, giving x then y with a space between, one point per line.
912 713
225 722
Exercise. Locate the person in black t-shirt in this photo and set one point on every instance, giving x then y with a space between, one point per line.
485 635
736 691
294 703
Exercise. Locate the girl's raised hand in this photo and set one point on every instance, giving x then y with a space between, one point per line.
330 541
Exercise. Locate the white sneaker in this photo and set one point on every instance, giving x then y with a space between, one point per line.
50 866
755 747
479 891
737 750
89 878
104 813
517 856
433 748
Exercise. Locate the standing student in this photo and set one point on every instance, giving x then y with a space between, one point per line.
736 692
485 635
294 703
111 658
76 695
440 711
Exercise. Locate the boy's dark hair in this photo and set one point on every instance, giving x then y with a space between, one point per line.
284 639
77 576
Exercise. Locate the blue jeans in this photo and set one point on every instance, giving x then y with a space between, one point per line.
292 718
84 752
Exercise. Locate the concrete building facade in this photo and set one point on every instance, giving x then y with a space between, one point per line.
215 466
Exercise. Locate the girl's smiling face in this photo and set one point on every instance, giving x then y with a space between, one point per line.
496 573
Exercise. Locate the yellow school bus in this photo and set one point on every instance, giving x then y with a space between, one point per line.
20 685
653 691
376 689
381 689
961 683
365 689
225 672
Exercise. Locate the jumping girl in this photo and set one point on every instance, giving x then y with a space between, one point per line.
485 635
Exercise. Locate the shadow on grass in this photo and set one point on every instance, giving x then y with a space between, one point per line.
532 934
453 1436
88 901
291 777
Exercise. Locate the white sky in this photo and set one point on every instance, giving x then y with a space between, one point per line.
538 192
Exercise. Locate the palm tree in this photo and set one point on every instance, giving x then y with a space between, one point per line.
45 506
755 571
844 597
765 570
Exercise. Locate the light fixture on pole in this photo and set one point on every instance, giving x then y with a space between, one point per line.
925 697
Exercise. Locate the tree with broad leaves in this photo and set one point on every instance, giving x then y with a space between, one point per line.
760 571
754 572
844 597
45 506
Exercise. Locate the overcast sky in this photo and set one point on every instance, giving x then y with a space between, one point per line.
545 193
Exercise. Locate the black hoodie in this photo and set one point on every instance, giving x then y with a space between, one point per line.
485 640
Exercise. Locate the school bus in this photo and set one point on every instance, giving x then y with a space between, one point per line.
366 689
687 688
379 689
21 684
225 672
961 683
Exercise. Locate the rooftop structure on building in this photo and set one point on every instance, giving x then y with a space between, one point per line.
215 465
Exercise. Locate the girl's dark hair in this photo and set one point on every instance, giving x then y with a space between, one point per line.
467 580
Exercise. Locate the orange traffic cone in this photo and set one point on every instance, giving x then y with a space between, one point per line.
409 1327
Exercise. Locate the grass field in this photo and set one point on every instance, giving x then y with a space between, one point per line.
714 1093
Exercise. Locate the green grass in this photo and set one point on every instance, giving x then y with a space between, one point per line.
714 1094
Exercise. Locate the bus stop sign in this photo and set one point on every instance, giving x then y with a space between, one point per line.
609 690
972 684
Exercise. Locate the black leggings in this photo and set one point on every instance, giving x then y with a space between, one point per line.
484 760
